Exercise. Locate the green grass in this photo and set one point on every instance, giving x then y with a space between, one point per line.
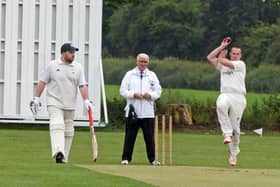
171 95
25 157
25 162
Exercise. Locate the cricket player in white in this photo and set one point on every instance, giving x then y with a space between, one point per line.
63 77
231 102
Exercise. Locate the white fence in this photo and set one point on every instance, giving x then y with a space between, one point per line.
31 34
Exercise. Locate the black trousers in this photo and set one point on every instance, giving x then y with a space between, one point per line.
131 130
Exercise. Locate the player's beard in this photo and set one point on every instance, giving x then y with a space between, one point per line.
69 59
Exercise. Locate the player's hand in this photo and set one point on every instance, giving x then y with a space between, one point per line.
35 105
226 41
147 96
138 96
88 104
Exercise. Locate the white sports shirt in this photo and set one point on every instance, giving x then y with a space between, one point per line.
233 80
62 81
132 83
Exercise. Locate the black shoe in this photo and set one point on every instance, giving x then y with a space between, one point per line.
59 158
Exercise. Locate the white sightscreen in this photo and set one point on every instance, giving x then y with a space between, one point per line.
31 34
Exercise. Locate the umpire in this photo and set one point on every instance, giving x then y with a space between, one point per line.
141 88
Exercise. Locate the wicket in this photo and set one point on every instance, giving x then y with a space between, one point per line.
163 127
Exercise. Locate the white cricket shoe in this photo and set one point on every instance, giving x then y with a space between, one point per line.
124 162
232 159
155 163
228 139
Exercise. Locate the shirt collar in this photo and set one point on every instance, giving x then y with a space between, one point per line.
138 71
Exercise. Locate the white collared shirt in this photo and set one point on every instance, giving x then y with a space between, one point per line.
132 83
62 81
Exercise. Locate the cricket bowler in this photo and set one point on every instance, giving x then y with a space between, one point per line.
231 102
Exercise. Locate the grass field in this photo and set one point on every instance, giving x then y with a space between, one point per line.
112 91
199 160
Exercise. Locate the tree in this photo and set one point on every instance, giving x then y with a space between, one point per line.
162 28
260 46
109 8
228 18
273 52
190 29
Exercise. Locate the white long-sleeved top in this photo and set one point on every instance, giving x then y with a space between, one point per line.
132 83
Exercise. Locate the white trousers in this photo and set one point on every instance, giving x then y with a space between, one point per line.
230 108
61 130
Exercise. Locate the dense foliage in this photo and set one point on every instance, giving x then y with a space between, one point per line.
189 29
174 73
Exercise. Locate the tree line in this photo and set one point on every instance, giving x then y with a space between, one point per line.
176 73
189 29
